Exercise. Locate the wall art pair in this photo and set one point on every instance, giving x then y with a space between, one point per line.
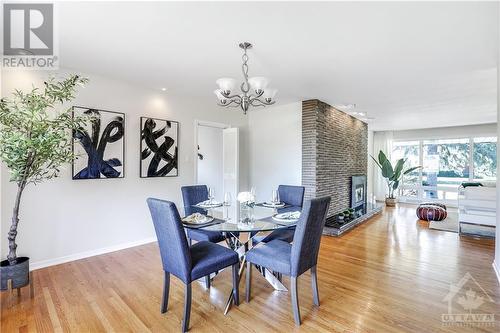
100 146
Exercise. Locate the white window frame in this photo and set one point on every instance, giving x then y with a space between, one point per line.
421 188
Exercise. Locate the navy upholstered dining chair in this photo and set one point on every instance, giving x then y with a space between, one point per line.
191 195
292 197
294 259
188 263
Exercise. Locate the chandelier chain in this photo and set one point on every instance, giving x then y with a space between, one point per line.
245 87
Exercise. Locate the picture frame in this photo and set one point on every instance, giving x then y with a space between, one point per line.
99 146
158 156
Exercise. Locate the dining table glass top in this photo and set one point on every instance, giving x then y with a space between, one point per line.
262 221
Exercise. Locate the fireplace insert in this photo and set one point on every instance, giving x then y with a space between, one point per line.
358 191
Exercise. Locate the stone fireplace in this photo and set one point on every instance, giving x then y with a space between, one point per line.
334 149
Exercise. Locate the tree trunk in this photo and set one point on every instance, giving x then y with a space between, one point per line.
12 257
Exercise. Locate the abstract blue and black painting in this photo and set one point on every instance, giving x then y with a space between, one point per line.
99 145
159 157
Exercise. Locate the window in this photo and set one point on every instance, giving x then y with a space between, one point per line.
410 150
484 158
446 163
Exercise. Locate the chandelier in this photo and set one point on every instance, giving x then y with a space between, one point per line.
254 91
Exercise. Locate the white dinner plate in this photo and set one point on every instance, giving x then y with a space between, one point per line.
209 205
197 218
287 217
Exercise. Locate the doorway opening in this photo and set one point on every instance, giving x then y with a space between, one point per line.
217 159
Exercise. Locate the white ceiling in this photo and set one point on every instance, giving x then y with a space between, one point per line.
408 65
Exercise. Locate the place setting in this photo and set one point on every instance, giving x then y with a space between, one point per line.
286 218
211 203
275 201
197 220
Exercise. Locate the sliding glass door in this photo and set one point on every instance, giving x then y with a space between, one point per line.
445 166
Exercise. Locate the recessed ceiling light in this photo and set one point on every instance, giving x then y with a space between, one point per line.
163 89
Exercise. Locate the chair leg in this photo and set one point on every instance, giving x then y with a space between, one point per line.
166 289
295 300
207 281
248 282
236 282
187 308
314 282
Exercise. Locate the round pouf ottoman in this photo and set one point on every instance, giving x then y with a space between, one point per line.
433 204
431 212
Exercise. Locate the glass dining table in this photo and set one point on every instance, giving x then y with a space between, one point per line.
240 236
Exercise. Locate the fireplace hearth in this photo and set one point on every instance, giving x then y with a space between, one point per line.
336 227
360 210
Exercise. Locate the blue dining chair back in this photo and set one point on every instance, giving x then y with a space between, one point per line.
291 195
188 263
307 236
174 249
193 194
282 258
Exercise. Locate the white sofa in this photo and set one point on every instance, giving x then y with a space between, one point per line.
477 210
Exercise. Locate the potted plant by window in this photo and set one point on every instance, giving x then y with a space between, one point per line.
35 141
393 175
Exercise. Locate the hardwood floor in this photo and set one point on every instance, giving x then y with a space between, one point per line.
388 275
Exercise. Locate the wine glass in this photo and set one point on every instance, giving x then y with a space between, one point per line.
227 204
211 195
275 197
252 191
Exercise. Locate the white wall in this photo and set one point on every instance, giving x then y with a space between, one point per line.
275 146
447 132
371 164
64 219
210 170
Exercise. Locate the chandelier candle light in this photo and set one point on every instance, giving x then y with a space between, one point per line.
254 90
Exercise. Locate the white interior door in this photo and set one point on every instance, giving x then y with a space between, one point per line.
230 139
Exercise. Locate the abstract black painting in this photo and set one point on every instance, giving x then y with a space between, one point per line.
99 145
159 156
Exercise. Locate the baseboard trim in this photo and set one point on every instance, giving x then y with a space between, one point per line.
497 271
87 254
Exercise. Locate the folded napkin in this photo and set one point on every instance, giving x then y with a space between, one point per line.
193 218
289 216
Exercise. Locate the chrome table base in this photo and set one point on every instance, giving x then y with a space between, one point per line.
242 248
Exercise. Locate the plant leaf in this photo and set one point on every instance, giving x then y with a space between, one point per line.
376 162
411 170
398 168
381 157
387 171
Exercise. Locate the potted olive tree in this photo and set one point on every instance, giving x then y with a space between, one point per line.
35 141
393 175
